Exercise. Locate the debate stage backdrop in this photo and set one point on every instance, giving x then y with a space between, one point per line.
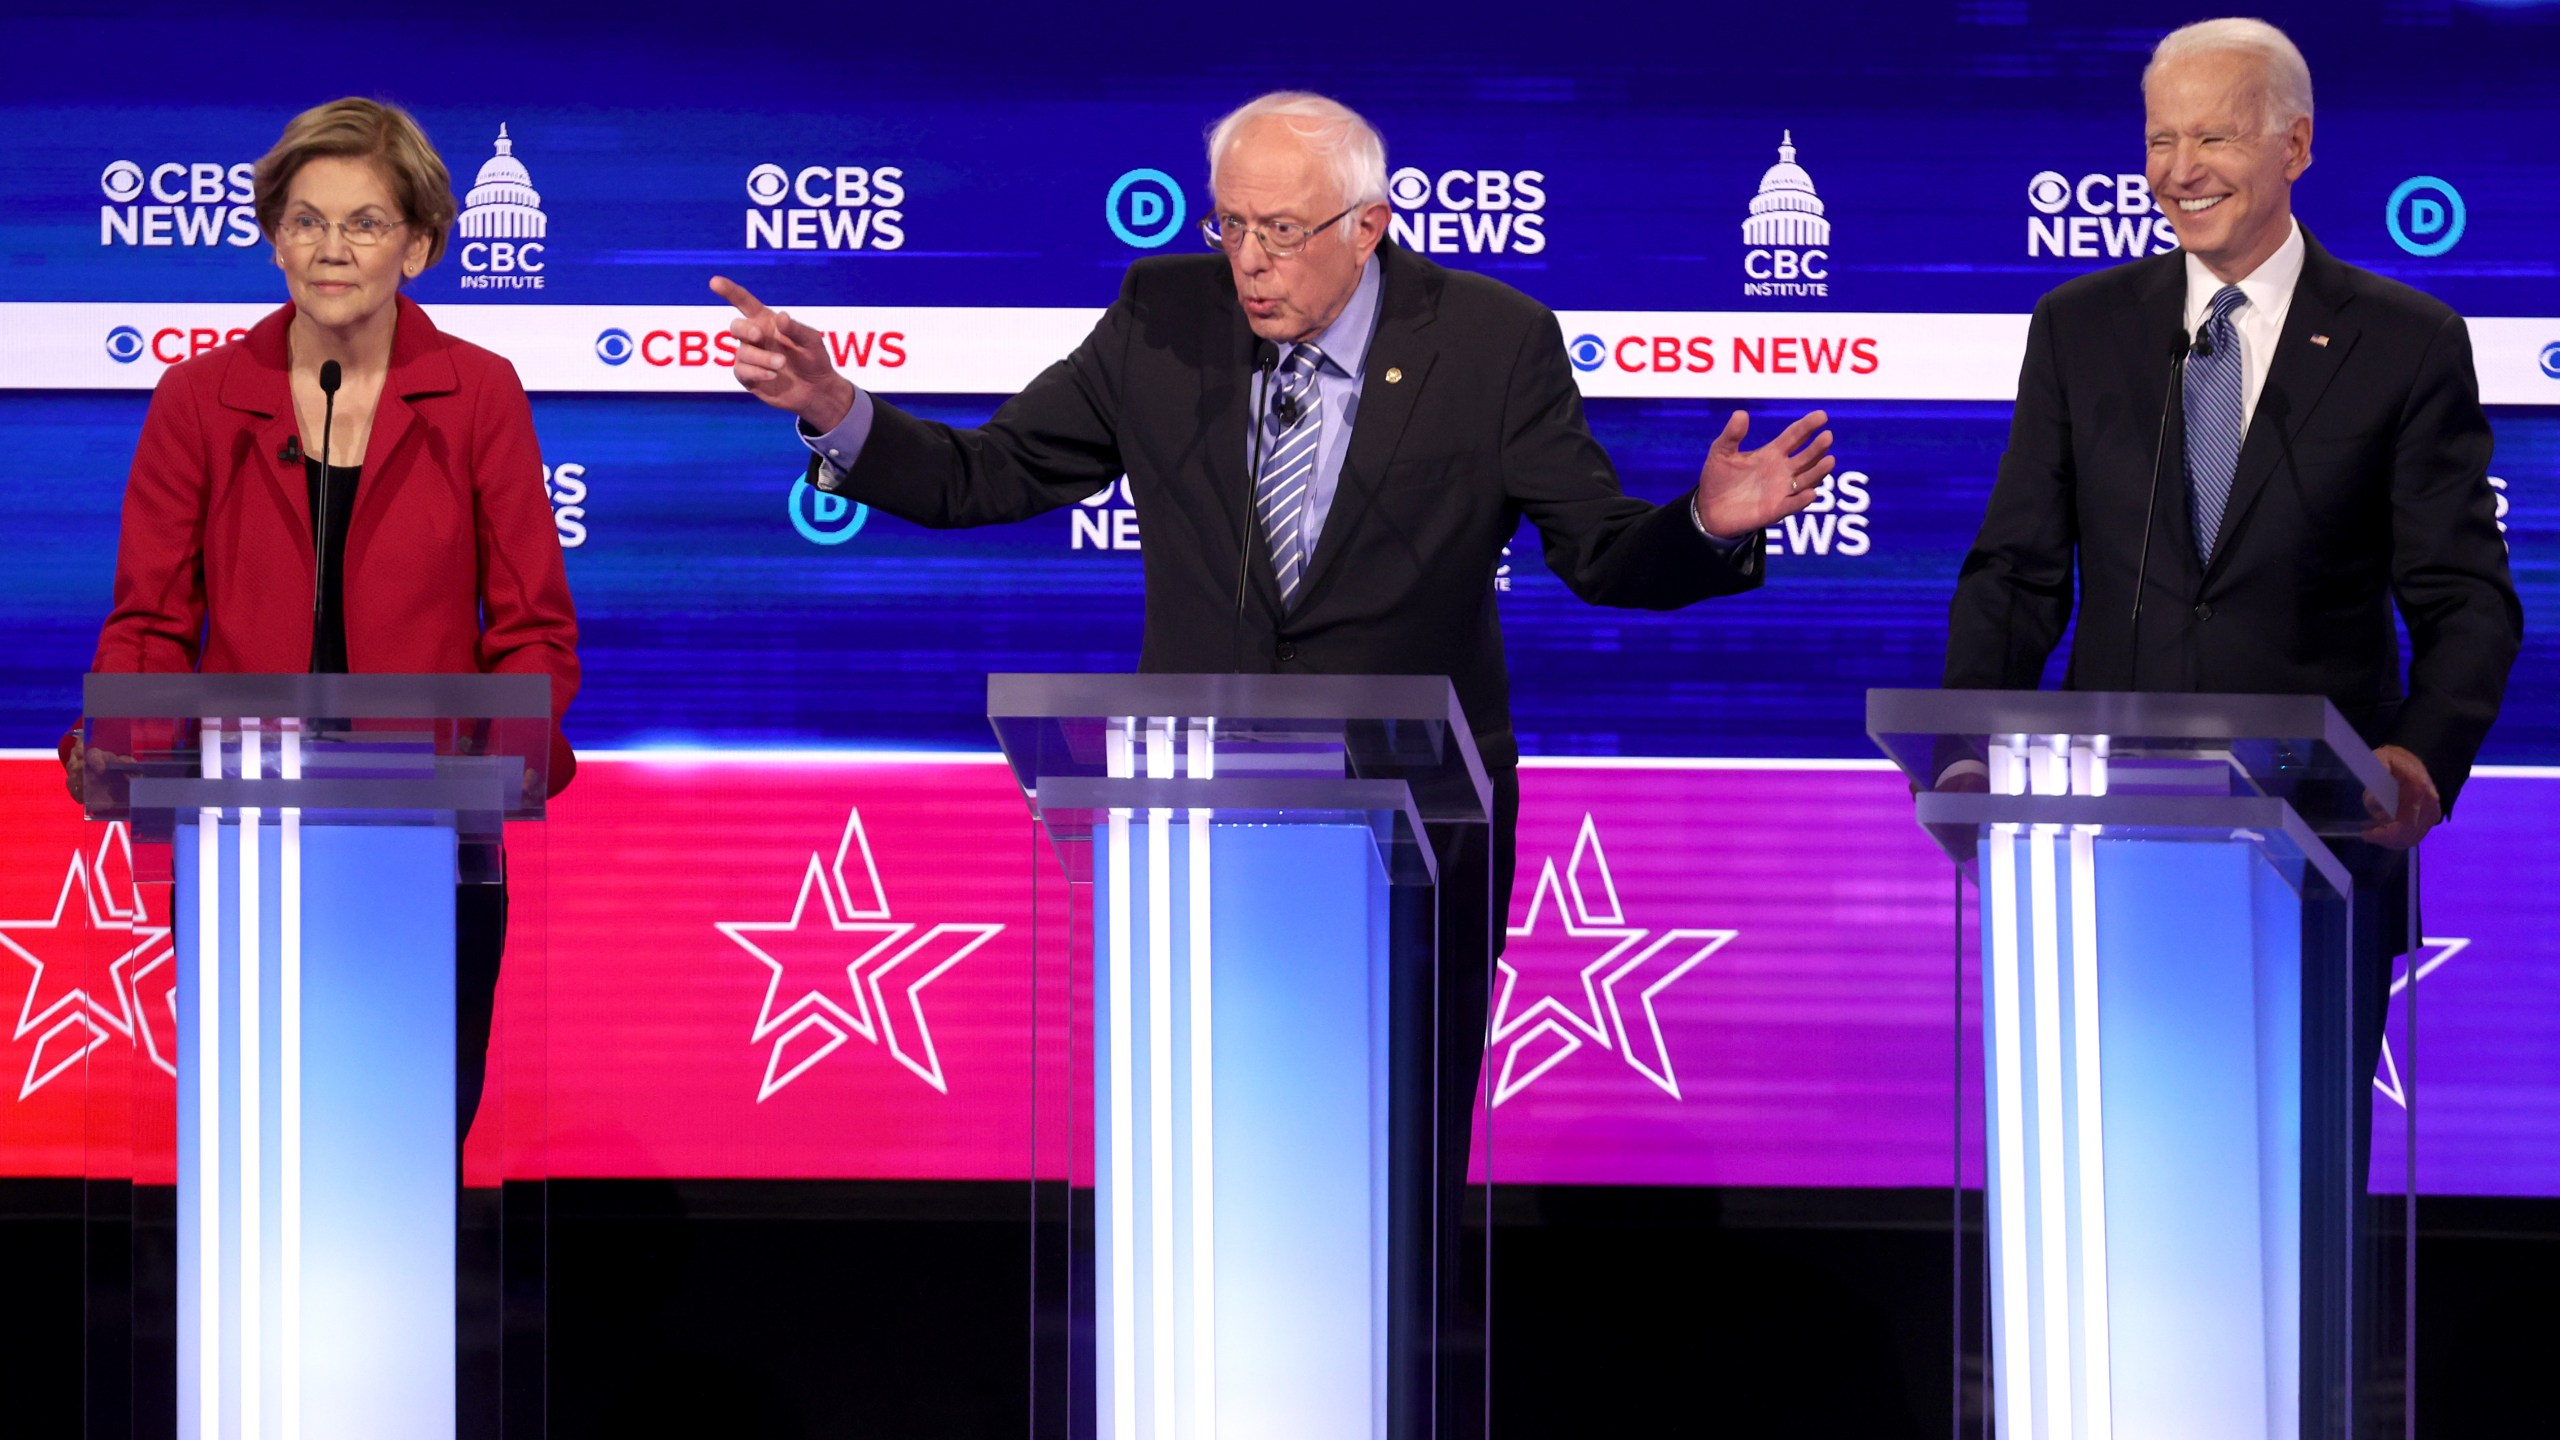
788 903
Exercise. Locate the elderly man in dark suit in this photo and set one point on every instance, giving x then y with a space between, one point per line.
2250 452
1409 418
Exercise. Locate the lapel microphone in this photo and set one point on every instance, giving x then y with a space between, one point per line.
329 378
290 452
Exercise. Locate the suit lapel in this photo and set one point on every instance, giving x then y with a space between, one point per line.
1225 411
2297 376
419 367
2159 343
255 383
1408 300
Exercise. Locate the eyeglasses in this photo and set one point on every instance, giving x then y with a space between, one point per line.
1280 239
364 230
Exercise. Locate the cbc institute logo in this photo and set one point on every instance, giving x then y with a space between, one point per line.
1786 241
502 225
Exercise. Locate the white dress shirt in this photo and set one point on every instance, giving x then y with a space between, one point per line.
2260 322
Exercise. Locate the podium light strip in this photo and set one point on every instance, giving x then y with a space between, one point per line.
289 1097
2099 1383
208 1365
2052 1203
252 1100
1161 1332
1202 765
1124 1269
2012 1380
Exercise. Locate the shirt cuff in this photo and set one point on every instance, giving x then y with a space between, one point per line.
1722 544
1962 770
836 450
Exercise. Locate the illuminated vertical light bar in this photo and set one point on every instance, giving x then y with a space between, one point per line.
1202 764
2089 777
1162 1333
1120 762
289 1096
2014 1375
252 1111
2053 1264
207 1392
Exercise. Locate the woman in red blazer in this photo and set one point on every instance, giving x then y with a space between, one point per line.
441 541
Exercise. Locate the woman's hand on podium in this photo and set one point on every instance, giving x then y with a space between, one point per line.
2421 807
84 769
1742 491
783 362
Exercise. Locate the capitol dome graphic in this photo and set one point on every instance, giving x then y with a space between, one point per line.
503 204
1786 211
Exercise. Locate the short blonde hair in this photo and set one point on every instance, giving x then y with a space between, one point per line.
361 129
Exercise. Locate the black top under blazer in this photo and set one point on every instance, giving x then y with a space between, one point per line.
1469 420
2362 481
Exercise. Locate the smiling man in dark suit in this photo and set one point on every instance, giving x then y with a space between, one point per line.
2308 440
1411 417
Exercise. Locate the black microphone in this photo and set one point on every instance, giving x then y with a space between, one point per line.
1265 356
1287 408
2204 341
2178 352
290 452
329 377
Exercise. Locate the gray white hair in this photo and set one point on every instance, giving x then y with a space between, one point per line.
2287 96
1349 145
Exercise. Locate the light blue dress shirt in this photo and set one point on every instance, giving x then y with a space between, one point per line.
1345 344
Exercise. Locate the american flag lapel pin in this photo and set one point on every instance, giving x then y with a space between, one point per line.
2320 340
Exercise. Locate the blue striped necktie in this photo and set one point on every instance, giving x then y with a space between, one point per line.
1289 467
2213 419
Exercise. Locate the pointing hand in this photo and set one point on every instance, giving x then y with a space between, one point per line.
783 362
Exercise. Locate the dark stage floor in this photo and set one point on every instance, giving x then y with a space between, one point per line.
779 1310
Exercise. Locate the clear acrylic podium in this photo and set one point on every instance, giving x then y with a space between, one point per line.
2177 1039
315 828
1242 1229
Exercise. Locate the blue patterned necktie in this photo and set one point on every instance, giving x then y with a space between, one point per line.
1289 467
2213 419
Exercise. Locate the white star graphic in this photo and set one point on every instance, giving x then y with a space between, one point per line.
67 1020
2436 951
1558 1029
806 1014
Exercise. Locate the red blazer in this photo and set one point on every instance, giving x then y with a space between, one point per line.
453 565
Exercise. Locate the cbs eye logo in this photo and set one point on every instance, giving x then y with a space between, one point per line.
614 346
124 344
766 184
1145 208
122 182
1588 352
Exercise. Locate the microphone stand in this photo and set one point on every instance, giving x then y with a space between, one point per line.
2198 344
1264 358
329 378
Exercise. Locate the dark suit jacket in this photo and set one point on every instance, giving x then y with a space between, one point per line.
1468 421
2362 481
